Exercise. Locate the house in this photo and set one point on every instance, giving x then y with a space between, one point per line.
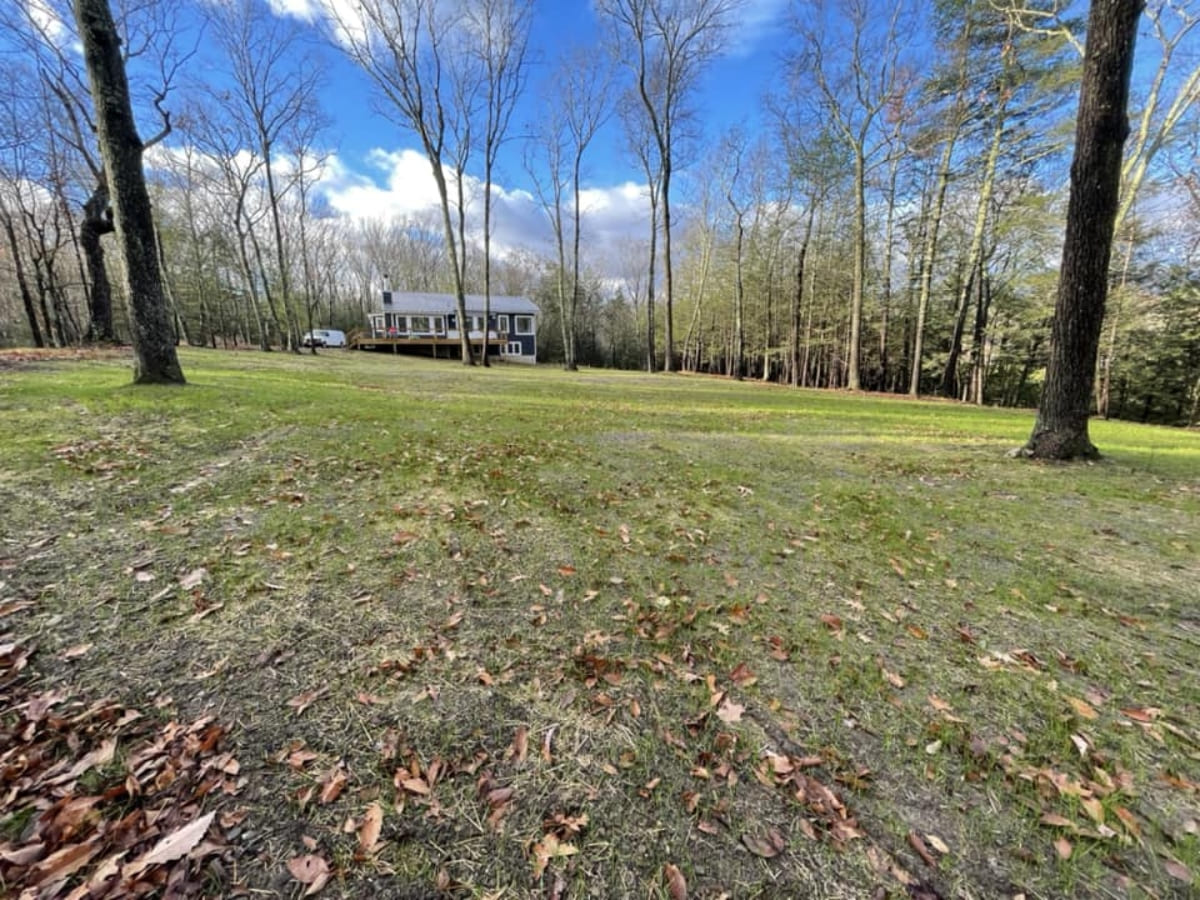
426 322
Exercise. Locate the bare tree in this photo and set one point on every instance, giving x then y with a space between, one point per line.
855 61
275 81
577 107
667 44
1061 429
149 37
500 29
155 360
405 47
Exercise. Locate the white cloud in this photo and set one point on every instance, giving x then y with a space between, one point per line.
755 19
405 187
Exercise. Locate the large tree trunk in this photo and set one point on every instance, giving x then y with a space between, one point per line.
1061 429
155 360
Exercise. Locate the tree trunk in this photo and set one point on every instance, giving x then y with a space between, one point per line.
155 360
853 379
96 223
22 284
1061 429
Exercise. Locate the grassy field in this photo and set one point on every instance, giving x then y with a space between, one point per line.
606 634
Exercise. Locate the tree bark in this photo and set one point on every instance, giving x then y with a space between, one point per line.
155 360
97 223
1061 429
22 284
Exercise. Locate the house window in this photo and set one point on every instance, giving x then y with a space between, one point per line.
514 348
502 324
439 324
524 324
419 324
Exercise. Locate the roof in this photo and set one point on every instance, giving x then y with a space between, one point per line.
443 304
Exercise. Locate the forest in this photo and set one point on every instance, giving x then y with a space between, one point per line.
889 219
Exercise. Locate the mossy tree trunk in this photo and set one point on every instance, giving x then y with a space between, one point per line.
155 360
1061 430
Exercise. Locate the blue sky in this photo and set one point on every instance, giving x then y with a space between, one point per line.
378 170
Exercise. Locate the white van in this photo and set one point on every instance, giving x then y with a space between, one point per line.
325 337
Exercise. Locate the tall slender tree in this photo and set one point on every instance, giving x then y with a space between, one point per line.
407 47
667 44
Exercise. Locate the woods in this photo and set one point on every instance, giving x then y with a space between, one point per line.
887 217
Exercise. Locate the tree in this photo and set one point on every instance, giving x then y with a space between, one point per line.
667 44
858 70
404 47
155 360
501 32
274 97
1061 429
576 108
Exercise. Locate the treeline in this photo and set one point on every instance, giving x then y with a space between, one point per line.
893 224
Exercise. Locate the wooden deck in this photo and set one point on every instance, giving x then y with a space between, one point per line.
358 340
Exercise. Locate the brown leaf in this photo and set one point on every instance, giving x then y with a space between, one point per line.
1178 871
767 846
1083 709
311 870
404 537
676 883
368 832
176 844
520 743
1063 848
566 571
332 785
76 651
63 862
303 701
832 622
914 841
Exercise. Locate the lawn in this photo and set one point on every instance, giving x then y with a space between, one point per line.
378 626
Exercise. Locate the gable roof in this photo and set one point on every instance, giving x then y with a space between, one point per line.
442 304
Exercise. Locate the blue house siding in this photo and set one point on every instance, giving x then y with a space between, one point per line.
507 316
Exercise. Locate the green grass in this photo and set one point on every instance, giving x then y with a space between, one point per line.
592 557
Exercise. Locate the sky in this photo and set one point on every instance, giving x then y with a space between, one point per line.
377 169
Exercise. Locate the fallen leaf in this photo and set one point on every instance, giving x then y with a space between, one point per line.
301 702
1093 808
832 622
368 832
1178 871
937 844
193 579
767 846
1063 848
676 883
730 712
76 651
176 844
404 537
1083 709
547 849
311 870
520 743
332 785
914 841
566 571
